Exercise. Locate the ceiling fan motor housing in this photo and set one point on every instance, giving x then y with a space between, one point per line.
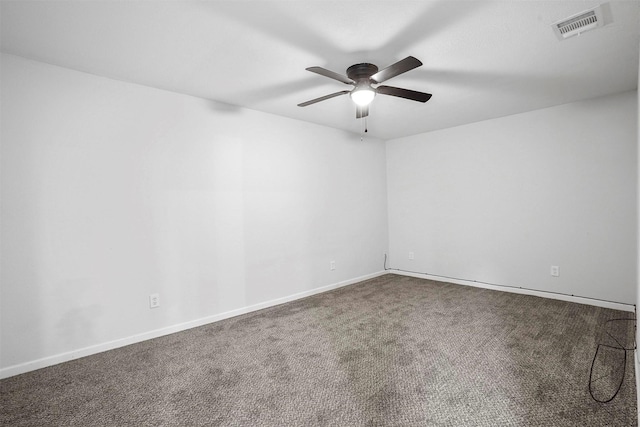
361 71
361 74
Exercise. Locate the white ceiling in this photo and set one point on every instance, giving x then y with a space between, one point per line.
482 59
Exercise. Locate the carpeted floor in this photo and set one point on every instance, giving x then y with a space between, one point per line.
391 351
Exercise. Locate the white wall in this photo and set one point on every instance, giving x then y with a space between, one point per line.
113 191
636 353
501 201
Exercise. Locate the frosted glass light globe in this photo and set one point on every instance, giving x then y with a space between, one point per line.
363 97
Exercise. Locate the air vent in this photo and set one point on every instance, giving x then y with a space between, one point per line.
579 23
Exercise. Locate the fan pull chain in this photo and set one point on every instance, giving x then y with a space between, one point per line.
364 129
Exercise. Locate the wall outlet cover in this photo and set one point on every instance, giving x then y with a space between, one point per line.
154 300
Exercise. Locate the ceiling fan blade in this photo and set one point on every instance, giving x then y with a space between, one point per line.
404 93
322 98
402 66
362 111
331 75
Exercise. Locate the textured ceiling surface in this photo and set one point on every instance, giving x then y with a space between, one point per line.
482 59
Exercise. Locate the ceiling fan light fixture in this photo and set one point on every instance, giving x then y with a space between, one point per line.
362 76
363 96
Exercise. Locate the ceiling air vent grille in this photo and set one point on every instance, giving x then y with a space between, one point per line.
579 23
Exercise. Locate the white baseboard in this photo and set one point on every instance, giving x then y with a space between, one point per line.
98 348
543 294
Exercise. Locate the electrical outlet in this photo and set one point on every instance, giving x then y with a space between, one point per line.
154 300
332 265
555 271
411 255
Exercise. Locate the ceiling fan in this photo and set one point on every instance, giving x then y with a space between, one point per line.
362 76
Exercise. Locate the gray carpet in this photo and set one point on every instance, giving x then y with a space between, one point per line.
391 351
